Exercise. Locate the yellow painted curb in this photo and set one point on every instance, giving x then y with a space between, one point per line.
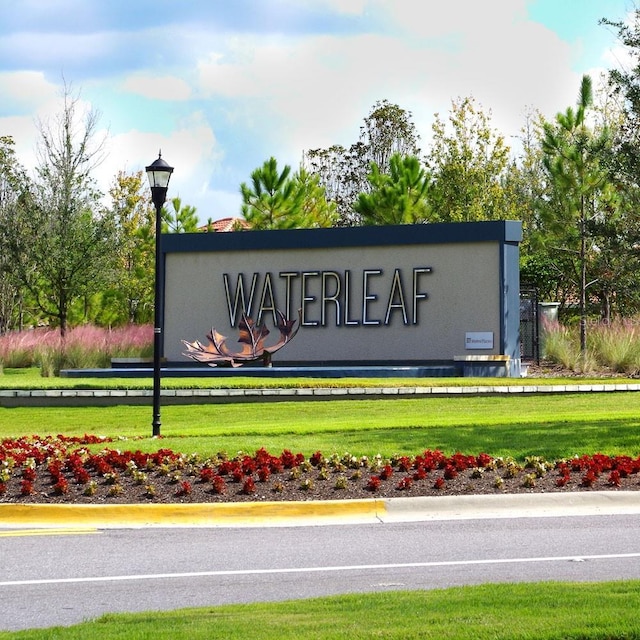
198 514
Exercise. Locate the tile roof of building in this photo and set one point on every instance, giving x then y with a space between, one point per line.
226 224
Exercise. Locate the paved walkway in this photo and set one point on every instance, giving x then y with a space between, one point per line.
101 397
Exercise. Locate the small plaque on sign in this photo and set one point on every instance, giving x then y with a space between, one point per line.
478 340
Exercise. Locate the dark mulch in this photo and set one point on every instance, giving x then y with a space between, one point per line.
313 484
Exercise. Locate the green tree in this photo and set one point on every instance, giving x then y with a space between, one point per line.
132 293
468 161
272 201
583 199
398 197
343 172
14 196
624 83
277 200
624 160
387 131
315 210
62 246
183 218
526 186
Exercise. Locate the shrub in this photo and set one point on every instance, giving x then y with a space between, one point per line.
615 346
562 346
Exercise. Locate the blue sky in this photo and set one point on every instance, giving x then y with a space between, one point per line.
222 85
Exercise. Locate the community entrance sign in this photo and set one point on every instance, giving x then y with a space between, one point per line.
398 295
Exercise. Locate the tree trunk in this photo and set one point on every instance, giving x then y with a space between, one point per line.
583 280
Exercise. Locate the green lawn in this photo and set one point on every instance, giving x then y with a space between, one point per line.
553 426
544 611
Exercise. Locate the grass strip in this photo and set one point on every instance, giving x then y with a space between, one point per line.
544 611
30 379
556 426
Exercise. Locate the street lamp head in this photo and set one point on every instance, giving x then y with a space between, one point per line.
159 173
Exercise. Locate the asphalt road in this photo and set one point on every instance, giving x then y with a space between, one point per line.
61 578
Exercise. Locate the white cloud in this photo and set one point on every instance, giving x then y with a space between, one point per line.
157 87
318 89
30 93
347 7
467 17
25 91
191 149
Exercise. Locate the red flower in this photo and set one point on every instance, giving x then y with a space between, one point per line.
249 486
564 471
373 484
262 457
61 487
276 465
219 485
26 488
55 469
248 465
184 488
206 474
226 467
288 459
386 472
484 460
264 473
614 478
431 459
461 462
439 483
589 478
405 483
81 475
450 472
29 474
316 458
420 474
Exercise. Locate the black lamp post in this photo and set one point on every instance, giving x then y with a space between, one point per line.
158 173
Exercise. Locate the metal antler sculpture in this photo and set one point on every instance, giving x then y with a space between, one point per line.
251 337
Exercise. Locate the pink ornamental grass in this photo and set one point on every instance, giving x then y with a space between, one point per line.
82 347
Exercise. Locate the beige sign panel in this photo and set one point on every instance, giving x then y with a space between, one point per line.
408 303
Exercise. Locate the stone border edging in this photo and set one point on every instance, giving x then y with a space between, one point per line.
100 397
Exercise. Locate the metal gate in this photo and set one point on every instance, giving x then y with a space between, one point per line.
529 325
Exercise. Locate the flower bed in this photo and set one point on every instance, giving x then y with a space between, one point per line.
63 469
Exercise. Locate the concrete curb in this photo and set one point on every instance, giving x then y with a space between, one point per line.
263 514
514 505
232 514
